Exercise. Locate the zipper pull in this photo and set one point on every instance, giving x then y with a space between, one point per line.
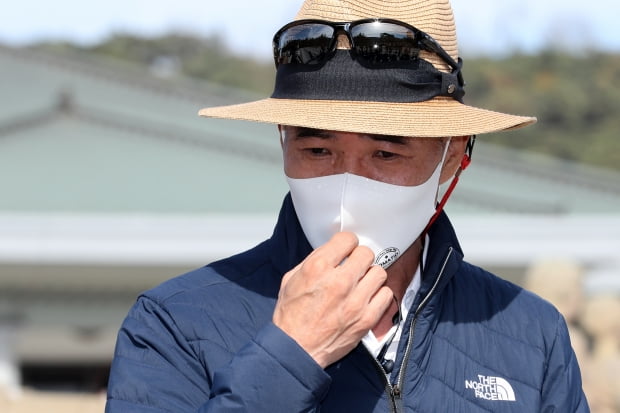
396 391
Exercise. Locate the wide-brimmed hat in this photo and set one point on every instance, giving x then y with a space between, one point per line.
368 106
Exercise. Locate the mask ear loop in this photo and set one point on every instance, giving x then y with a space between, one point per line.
469 149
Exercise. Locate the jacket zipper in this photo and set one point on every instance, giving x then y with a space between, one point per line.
388 386
395 389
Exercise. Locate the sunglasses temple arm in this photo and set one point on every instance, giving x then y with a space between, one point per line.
432 46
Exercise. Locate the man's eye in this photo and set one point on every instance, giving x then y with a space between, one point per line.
385 154
318 151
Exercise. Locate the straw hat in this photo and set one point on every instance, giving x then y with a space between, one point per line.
437 117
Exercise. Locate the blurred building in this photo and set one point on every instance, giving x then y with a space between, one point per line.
110 184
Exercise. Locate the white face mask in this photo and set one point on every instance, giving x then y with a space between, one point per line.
386 218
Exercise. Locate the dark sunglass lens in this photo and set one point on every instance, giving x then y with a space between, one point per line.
305 43
380 42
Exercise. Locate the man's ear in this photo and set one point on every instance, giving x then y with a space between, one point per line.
455 154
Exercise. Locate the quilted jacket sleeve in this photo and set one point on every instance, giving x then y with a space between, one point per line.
156 369
562 389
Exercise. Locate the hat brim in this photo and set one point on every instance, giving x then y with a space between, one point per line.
438 117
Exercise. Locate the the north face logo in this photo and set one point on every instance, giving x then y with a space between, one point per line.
491 388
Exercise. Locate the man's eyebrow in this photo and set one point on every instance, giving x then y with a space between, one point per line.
400 140
300 132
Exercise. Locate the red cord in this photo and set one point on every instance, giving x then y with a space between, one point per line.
464 164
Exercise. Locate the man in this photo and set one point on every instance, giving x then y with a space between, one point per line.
361 300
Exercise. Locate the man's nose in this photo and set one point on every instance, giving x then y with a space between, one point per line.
353 165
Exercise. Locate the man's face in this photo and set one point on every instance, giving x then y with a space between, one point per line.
310 153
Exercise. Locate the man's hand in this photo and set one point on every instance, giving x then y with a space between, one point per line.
333 298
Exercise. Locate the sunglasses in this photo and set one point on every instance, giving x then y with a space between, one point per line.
374 42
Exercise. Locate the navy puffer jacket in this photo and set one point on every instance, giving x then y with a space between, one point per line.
204 342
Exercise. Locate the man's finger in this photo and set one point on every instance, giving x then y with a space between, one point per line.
335 250
372 281
379 303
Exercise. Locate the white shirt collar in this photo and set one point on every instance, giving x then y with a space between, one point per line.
370 341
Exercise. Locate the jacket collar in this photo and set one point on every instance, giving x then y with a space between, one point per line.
288 244
443 260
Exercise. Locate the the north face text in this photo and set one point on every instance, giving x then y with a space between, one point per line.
491 388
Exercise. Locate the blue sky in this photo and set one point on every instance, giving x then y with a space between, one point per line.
484 26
